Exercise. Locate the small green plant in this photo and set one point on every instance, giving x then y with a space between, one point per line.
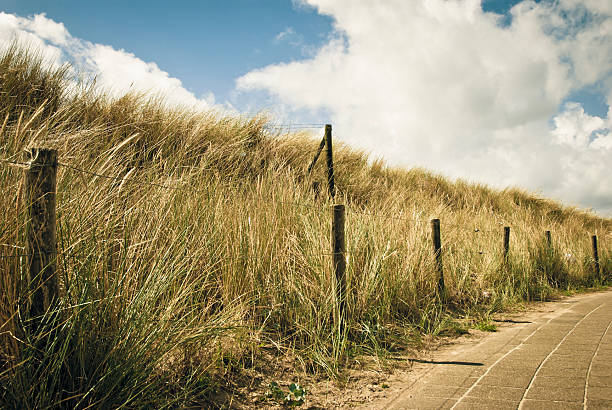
293 398
486 326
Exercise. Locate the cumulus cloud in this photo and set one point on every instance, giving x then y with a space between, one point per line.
442 84
116 71
577 129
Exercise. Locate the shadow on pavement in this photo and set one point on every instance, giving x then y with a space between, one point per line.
457 363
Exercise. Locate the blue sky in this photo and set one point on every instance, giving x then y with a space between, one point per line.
463 87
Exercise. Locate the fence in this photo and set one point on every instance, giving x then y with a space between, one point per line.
41 248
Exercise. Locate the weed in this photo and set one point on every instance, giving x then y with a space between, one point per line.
294 397
486 326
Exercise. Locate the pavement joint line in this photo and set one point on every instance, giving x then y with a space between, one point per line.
506 354
586 382
551 353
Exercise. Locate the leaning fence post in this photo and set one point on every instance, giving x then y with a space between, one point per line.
330 161
40 184
437 244
316 157
339 252
596 257
506 242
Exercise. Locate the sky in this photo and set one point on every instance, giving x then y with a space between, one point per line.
501 92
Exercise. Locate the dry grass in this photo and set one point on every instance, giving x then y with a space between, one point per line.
165 289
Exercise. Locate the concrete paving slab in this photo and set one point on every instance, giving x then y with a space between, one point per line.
497 393
510 375
565 364
600 372
569 394
546 371
600 381
524 366
457 381
559 382
602 365
442 392
599 392
549 405
507 381
578 356
423 403
598 404
474 403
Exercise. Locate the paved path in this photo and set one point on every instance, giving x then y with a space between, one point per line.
561 359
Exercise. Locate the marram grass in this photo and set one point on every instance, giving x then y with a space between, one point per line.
208 245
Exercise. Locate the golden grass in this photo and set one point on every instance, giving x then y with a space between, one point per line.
208 244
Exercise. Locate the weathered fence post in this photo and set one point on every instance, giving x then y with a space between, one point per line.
40 184
330 161
596 257
437 244
548 238
316 157
339 252
506 242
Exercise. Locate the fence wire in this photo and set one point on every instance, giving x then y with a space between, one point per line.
475 229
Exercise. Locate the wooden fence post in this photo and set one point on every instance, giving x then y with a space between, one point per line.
40 185
330 161
316 157
339 252
506 242
596 257
548 238
437 244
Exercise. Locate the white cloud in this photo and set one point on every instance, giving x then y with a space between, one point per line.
14 28
441 84
116 71
577 129
47 29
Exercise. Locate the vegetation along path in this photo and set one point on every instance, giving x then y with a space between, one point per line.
559 358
